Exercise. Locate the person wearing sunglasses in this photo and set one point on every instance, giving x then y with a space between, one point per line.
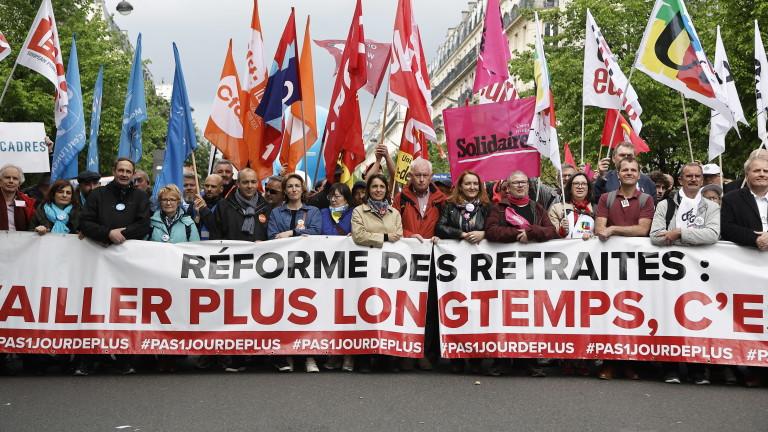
273 191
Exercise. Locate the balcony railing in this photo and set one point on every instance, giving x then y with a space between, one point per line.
468 60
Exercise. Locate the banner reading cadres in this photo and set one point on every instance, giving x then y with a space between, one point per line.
490 139
622 299
23 144
309 295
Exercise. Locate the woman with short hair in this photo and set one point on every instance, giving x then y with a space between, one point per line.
169 224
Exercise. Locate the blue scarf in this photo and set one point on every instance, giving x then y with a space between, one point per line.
58 216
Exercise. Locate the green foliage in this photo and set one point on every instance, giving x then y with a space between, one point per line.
30 96
623 23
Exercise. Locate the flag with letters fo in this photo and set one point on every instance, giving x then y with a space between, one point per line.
343 135
492 61
761 86
301 120
408 75
671 53
180 141
225 128
543 133
255 82
604 82
283 89
5 47
41 52
70 134
720 126
92 163
135 110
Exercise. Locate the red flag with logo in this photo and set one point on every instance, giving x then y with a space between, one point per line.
41 52
409 78
378 59
343 134
5 47
624 132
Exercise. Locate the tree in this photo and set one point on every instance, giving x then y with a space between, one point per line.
30 96
623 23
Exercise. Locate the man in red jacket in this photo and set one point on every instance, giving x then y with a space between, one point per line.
19 207
420 202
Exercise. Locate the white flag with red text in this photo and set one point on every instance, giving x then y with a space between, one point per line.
5 47
41 52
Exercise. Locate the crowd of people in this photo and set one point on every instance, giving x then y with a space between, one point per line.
688 210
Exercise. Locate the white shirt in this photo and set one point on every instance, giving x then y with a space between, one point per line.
11 216
762 207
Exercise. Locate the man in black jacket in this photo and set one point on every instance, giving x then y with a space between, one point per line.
243 215
112 215
744 216
118 211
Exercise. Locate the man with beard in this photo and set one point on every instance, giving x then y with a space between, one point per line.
206 204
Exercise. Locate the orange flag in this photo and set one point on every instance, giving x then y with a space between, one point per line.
293 145
255 83
225 126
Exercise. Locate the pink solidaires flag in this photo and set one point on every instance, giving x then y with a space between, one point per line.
494 50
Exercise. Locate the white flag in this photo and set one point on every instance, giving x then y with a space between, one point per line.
720 126
603 81
5 48
543 134
761 86
41 52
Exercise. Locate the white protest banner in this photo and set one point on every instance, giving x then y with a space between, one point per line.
308 295
23 144
621 299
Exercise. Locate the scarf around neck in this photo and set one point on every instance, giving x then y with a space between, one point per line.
249 211
520 202
58 216
378 207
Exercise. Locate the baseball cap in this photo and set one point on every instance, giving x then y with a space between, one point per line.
711 169
88 176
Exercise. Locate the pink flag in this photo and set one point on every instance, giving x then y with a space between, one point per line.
494 50
490 139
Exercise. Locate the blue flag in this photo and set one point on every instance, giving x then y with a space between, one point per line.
70 135
93 143
135 112
181 139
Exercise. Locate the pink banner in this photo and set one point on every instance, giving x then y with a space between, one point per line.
490 139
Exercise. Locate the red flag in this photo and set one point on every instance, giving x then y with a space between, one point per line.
409 78
624 132
378 58
343 136
569 156
255 83
225 125
5 48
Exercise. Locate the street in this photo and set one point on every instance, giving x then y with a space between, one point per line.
263 400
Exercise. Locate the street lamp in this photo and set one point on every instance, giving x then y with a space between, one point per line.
124 7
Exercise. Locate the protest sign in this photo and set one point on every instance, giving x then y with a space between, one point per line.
23 144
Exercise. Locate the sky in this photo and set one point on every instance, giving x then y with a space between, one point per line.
202 29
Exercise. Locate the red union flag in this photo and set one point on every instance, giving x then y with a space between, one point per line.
225 126
255 83
623 132
343 135
5 48
378 57
408 76
41 52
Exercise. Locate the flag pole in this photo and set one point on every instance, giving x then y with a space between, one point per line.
304 138
383 125
720 159
370 110
194 167
687 132
213 158
582 133
616 122
8 82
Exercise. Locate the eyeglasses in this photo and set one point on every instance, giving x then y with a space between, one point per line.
272 191
579 184
169 200
519 183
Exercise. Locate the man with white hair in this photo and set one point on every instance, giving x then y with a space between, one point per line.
420 202
19 207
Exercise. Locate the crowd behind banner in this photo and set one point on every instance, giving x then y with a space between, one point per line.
617 202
